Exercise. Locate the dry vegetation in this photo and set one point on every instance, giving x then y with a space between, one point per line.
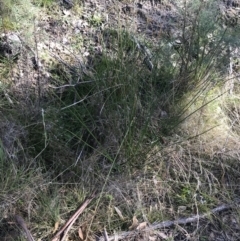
136 100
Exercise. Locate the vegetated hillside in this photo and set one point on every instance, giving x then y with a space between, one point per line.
138 101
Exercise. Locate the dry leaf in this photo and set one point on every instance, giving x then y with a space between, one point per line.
80 234
142 226
181 209
134 223
119 213
56 225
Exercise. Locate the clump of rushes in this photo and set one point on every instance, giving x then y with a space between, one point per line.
157 143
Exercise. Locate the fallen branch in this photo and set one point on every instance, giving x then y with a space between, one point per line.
169 223
62 233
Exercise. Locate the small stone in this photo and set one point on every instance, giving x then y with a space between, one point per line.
79 23
65 41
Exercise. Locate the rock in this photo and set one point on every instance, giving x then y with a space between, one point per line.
10 45
68 4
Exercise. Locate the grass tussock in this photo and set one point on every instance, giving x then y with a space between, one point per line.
154 127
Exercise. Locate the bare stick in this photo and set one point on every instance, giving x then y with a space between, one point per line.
169 223
20 221
65 229
105 235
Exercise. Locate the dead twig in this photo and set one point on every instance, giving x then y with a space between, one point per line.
169 223
62 233
105 235
21 223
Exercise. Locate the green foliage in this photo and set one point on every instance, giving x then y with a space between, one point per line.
49 205
2 156
105 107
96 19
204 42
185 196
17 183
16 14
45 3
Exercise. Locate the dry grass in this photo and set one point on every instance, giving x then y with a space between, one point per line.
158 145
